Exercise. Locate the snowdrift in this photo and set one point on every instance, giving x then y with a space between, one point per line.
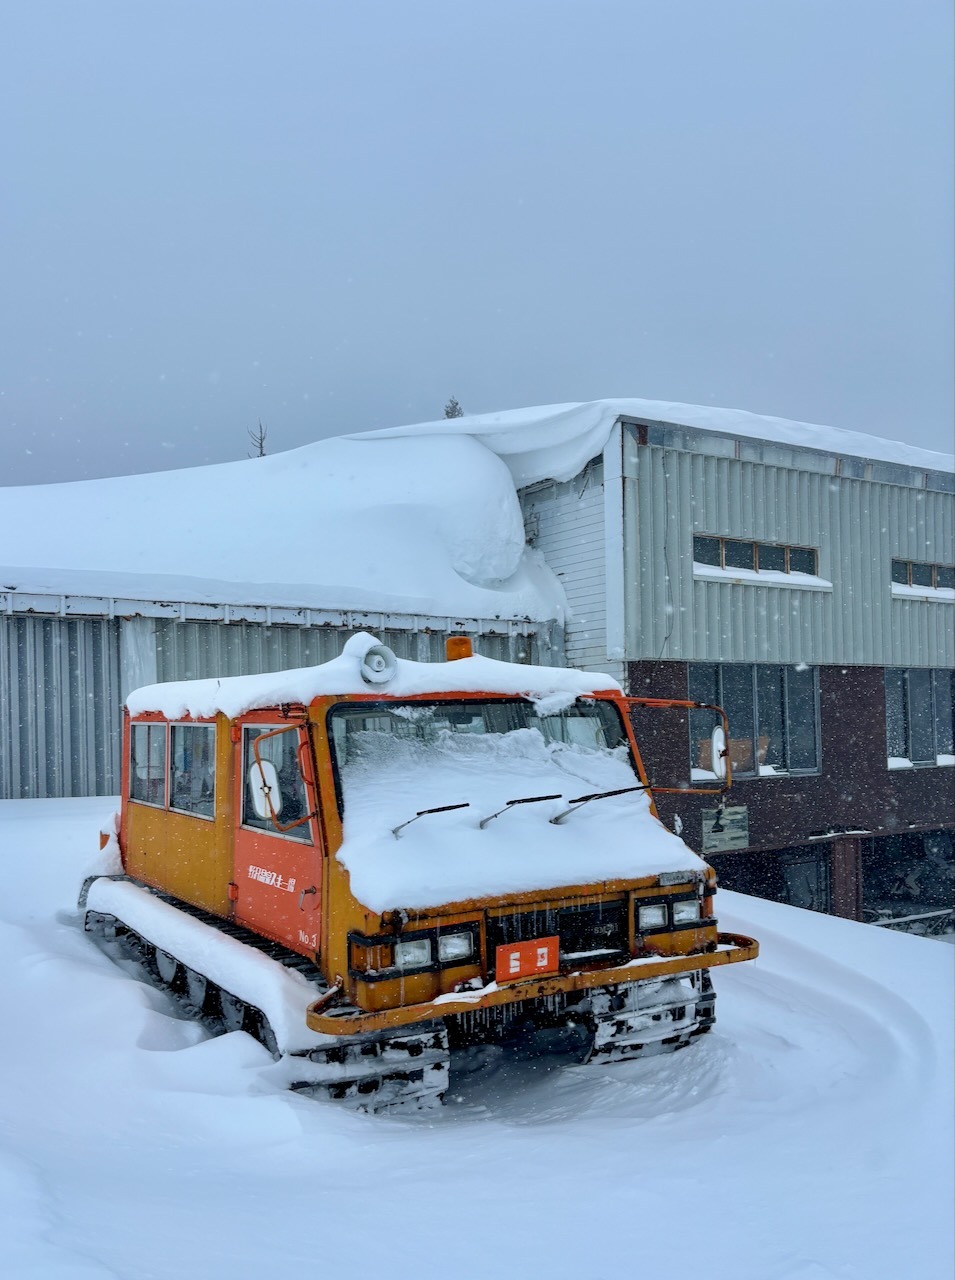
807 1138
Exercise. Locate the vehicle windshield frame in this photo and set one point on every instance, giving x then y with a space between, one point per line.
371 705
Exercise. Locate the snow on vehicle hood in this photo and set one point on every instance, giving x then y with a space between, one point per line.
446 857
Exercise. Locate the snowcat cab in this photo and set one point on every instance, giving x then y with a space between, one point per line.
368 863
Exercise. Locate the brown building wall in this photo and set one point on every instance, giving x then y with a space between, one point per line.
854 790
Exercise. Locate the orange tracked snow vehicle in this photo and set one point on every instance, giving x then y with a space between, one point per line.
368 863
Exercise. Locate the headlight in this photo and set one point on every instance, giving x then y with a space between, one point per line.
413 955
685 912
651 917
455 946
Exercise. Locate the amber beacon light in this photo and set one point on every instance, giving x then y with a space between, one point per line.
458 647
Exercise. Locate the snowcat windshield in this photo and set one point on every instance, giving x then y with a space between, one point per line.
454 752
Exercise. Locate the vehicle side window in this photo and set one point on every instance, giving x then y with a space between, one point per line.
282 751
192 771
147 764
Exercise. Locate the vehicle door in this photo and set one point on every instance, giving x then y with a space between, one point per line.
278 852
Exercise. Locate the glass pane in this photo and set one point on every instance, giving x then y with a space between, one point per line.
739 704
900 571
147 763
921 716
706 550
704 682
739 555
806 880
192 772
944 576
703 687
895 717
921 575
282 750
802 560
771 557
770 738
944 712
801 717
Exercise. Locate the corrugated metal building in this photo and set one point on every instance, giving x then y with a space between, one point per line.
811 594
68 662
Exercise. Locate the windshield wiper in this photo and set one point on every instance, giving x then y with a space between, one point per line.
442 808
597 795
510 803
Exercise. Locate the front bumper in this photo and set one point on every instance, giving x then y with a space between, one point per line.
731 948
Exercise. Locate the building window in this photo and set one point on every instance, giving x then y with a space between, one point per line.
772 712
919 716
192 769
757 557
147 764
918 573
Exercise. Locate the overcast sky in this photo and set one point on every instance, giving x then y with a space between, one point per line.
332 217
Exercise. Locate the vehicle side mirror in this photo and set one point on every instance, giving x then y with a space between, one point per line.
264 789
718 751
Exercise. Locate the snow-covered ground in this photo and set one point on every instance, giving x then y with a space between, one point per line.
808 1137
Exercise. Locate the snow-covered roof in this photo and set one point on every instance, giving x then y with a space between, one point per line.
549 687
421 519
555 441
424 526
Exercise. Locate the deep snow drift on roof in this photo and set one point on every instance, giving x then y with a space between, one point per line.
422 526
550 688
421 519
555 441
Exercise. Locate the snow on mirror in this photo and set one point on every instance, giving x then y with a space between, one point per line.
264 788
718 751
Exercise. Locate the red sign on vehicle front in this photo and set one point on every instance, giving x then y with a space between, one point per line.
527 959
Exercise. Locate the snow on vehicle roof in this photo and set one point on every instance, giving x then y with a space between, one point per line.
550 688
422 519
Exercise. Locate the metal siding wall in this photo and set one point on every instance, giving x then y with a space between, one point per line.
59 707
198 650
568 524
61 697
857 526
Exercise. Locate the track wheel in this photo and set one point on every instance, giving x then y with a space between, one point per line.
234 1011
201 994
170 970
259 1026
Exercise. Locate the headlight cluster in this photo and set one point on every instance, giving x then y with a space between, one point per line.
654 917
418 953
661 915
686 912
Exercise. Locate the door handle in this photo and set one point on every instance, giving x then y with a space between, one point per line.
301 897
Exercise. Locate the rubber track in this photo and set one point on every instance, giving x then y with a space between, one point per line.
353 1071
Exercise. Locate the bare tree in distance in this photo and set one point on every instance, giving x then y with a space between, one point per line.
257 436
453 410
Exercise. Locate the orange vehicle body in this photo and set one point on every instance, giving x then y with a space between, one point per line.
284 882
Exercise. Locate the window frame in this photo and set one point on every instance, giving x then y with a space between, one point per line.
155 726
902 677
170 756
754 773
786 547
300 831
899 563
